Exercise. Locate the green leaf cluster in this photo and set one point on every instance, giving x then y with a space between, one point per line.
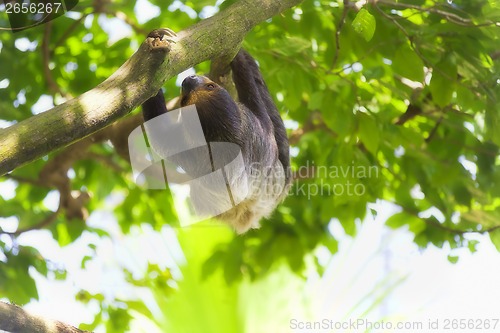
400 102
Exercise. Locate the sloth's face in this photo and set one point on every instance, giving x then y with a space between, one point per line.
196 88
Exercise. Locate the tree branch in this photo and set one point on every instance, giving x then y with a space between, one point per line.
135 81
15 319
448 15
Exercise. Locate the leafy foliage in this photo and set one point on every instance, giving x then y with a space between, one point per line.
396 101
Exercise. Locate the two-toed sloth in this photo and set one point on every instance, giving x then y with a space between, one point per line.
253 124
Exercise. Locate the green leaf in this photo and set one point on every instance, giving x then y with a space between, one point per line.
368 132
453 259
291 46
416 224
349 226
443 81
493 122
408 64
495 238
61 234
364 24
397 220
119 320
337 110
472 245
315 100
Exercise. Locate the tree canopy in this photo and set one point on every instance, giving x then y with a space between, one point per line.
384 101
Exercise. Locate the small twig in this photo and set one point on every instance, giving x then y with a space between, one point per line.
453 18
411 112
42 224
313 123
70 30
31 181
108 160
495 55
46 60
122 16
415 48
433 223
337 32
374 48
400 27
434 129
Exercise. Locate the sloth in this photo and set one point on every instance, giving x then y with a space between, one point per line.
252 124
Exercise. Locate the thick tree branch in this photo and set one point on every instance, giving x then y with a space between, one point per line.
136 80
15 319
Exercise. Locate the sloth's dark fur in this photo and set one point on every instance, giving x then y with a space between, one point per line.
253 123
